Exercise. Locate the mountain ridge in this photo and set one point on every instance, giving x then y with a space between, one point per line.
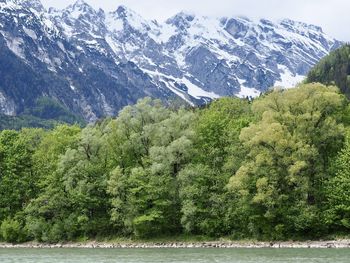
102 61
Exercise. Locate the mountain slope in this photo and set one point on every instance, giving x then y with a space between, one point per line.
95 62
48 64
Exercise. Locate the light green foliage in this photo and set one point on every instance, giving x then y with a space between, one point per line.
338 192
218 130
218 154
201 204
151 145
45 213
237 168
52 146
280 183
17 178
84 171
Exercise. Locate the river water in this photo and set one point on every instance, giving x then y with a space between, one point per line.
207 255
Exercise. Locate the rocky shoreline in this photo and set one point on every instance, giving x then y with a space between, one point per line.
214 244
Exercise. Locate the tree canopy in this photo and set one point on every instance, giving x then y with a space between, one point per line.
275 168
334 69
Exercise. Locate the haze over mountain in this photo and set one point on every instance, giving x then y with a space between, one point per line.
95 62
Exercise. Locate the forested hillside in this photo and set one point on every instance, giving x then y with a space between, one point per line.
44 113
273 169
334 69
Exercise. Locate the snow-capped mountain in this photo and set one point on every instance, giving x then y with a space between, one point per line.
95 62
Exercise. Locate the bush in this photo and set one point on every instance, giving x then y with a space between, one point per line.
12 231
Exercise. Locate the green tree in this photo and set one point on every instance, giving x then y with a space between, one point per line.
12 231
151 146
338 193
129 142
45 214
17 179
279 187
218 153
334 69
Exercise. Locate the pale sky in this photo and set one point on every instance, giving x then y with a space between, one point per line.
332 15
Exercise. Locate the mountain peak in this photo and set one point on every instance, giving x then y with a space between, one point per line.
185 15
80 7
122 11
181 20
288 23
106 60
79 3
131 18
267 22
28 4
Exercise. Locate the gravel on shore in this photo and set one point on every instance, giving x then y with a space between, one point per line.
214 244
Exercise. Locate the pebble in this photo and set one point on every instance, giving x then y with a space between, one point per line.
228 244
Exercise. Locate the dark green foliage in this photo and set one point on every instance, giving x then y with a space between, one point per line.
152 145
45 113
48 109
334 69
12 231
276 168
30 121
17 175
338 193
218 154
24 121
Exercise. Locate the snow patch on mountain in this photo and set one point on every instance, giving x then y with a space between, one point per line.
119 56
196 91
30 33
15 45
248 92
288 80
218 52
7 106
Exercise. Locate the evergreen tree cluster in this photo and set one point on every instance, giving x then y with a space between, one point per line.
272 169
334 69
44 113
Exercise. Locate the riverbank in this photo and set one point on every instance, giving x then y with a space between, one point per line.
211 244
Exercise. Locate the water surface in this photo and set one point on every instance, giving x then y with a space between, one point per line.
206 255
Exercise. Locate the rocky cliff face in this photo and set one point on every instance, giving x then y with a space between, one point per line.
94 62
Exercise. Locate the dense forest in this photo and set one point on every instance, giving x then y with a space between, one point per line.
272 169
334 69
44 113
